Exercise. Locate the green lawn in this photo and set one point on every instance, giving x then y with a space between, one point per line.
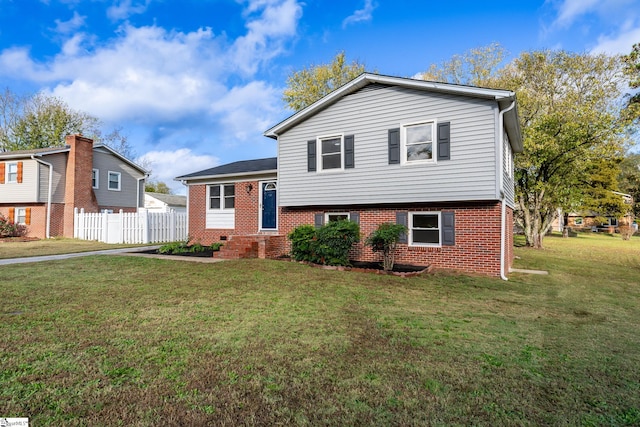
52 247
110 340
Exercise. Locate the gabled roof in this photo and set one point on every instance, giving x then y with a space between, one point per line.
36 151
503 97
169 199
243 167
39 152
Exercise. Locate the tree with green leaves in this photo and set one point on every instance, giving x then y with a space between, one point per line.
385 239
41 121
153 186
306 86
632 70
629 179
570 118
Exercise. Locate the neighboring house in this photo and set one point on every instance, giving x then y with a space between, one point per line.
594 221
40 188
435 157
160 202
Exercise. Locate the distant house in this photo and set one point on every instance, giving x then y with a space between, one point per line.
41 188
160 202
435 157
594 221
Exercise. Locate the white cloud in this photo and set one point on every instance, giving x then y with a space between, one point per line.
166 165
620 43
361 15
267 34
66 27
123 9
569 10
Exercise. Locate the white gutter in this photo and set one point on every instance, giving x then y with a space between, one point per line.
503 216
49 195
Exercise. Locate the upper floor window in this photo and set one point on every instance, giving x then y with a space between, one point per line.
331 152
95 178
507 156
222 196
114 181
417 142
12 172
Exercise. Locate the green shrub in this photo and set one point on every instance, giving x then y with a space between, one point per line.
385 239
301 238
215 246
9 228
173 248
333 242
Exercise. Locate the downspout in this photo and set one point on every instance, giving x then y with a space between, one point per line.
503 216
49 195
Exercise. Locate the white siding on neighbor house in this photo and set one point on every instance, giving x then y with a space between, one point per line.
59 162
129 195
21 192
368 115
221 219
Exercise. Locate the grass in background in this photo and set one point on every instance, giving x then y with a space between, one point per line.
52 247
131 341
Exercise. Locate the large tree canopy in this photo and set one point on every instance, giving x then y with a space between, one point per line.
306 86
40 121
571 119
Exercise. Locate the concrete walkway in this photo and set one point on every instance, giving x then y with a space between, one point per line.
119 251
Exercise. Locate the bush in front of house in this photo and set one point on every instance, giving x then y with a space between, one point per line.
9 228
385 239
177 248
301 241
328 245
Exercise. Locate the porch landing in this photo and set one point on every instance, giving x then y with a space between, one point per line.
261 246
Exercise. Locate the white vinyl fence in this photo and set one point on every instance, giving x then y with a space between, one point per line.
135 227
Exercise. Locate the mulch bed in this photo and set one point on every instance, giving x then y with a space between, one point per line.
401 270
202 254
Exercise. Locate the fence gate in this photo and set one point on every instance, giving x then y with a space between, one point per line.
135 227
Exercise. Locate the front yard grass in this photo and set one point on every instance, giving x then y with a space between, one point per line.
53 246
109 340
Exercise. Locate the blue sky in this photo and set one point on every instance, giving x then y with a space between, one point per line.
194 83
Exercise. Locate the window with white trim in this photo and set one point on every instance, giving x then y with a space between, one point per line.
95 178
222 196
424 228
114 181
418 142
336 216
578 220
21 216
507 157
12 172
331 152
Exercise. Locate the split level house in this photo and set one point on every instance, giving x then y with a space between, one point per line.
435 157
41 188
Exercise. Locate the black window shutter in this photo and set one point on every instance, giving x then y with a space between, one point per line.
318 219
444 144
402 218
394 146
349 154
448 228
355 217
311 155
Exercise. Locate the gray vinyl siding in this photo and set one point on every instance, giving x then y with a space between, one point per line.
128 196
25 191
59 162
508 181
368 115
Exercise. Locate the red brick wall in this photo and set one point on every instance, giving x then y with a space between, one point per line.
246 213
78 192
477 248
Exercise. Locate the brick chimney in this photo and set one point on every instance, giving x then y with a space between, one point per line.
78 192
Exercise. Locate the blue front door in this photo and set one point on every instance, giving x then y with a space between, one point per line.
269 205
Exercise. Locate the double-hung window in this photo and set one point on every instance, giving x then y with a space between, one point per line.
21 216
114 181
331 152
12 172
418 142
424 228
95 178
222 196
